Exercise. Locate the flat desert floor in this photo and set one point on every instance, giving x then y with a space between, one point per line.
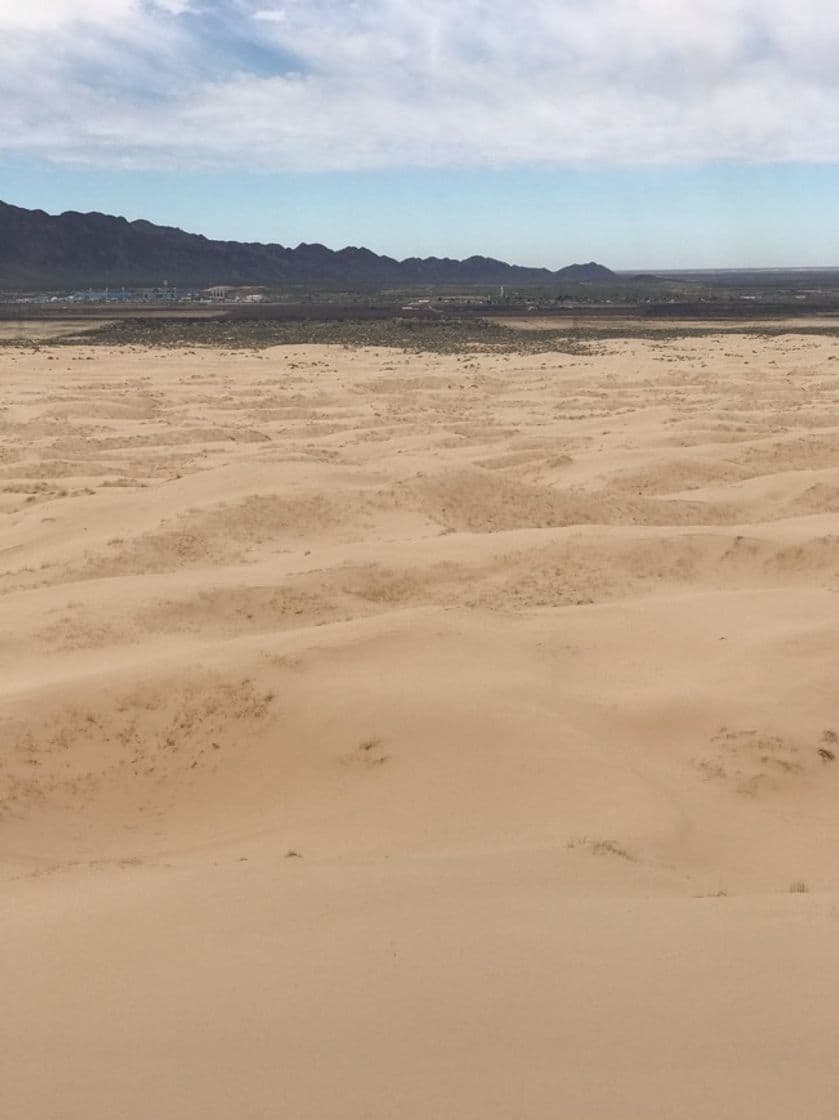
392 735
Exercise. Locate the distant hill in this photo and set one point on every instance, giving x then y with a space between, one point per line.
43 251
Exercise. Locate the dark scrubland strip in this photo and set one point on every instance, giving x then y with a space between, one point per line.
429 335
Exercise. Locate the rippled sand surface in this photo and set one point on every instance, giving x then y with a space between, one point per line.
394 735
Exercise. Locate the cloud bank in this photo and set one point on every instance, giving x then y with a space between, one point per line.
334 84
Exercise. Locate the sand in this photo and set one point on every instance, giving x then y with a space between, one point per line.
43 330
393 735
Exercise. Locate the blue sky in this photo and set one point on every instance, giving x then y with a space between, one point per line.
642 133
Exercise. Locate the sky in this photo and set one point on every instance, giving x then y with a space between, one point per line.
640 133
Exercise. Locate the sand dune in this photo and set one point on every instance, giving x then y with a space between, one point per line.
413 735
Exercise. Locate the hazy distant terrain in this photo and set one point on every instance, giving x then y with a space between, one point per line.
39 250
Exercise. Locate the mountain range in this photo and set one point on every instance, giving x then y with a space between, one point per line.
45 251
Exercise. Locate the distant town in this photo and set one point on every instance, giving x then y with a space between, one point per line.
165 293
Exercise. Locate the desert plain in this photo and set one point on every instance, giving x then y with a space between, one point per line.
388 734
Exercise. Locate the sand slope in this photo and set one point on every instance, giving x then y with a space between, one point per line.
396 735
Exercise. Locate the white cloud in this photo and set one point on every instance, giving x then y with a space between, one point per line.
270 15
52 15
418 82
